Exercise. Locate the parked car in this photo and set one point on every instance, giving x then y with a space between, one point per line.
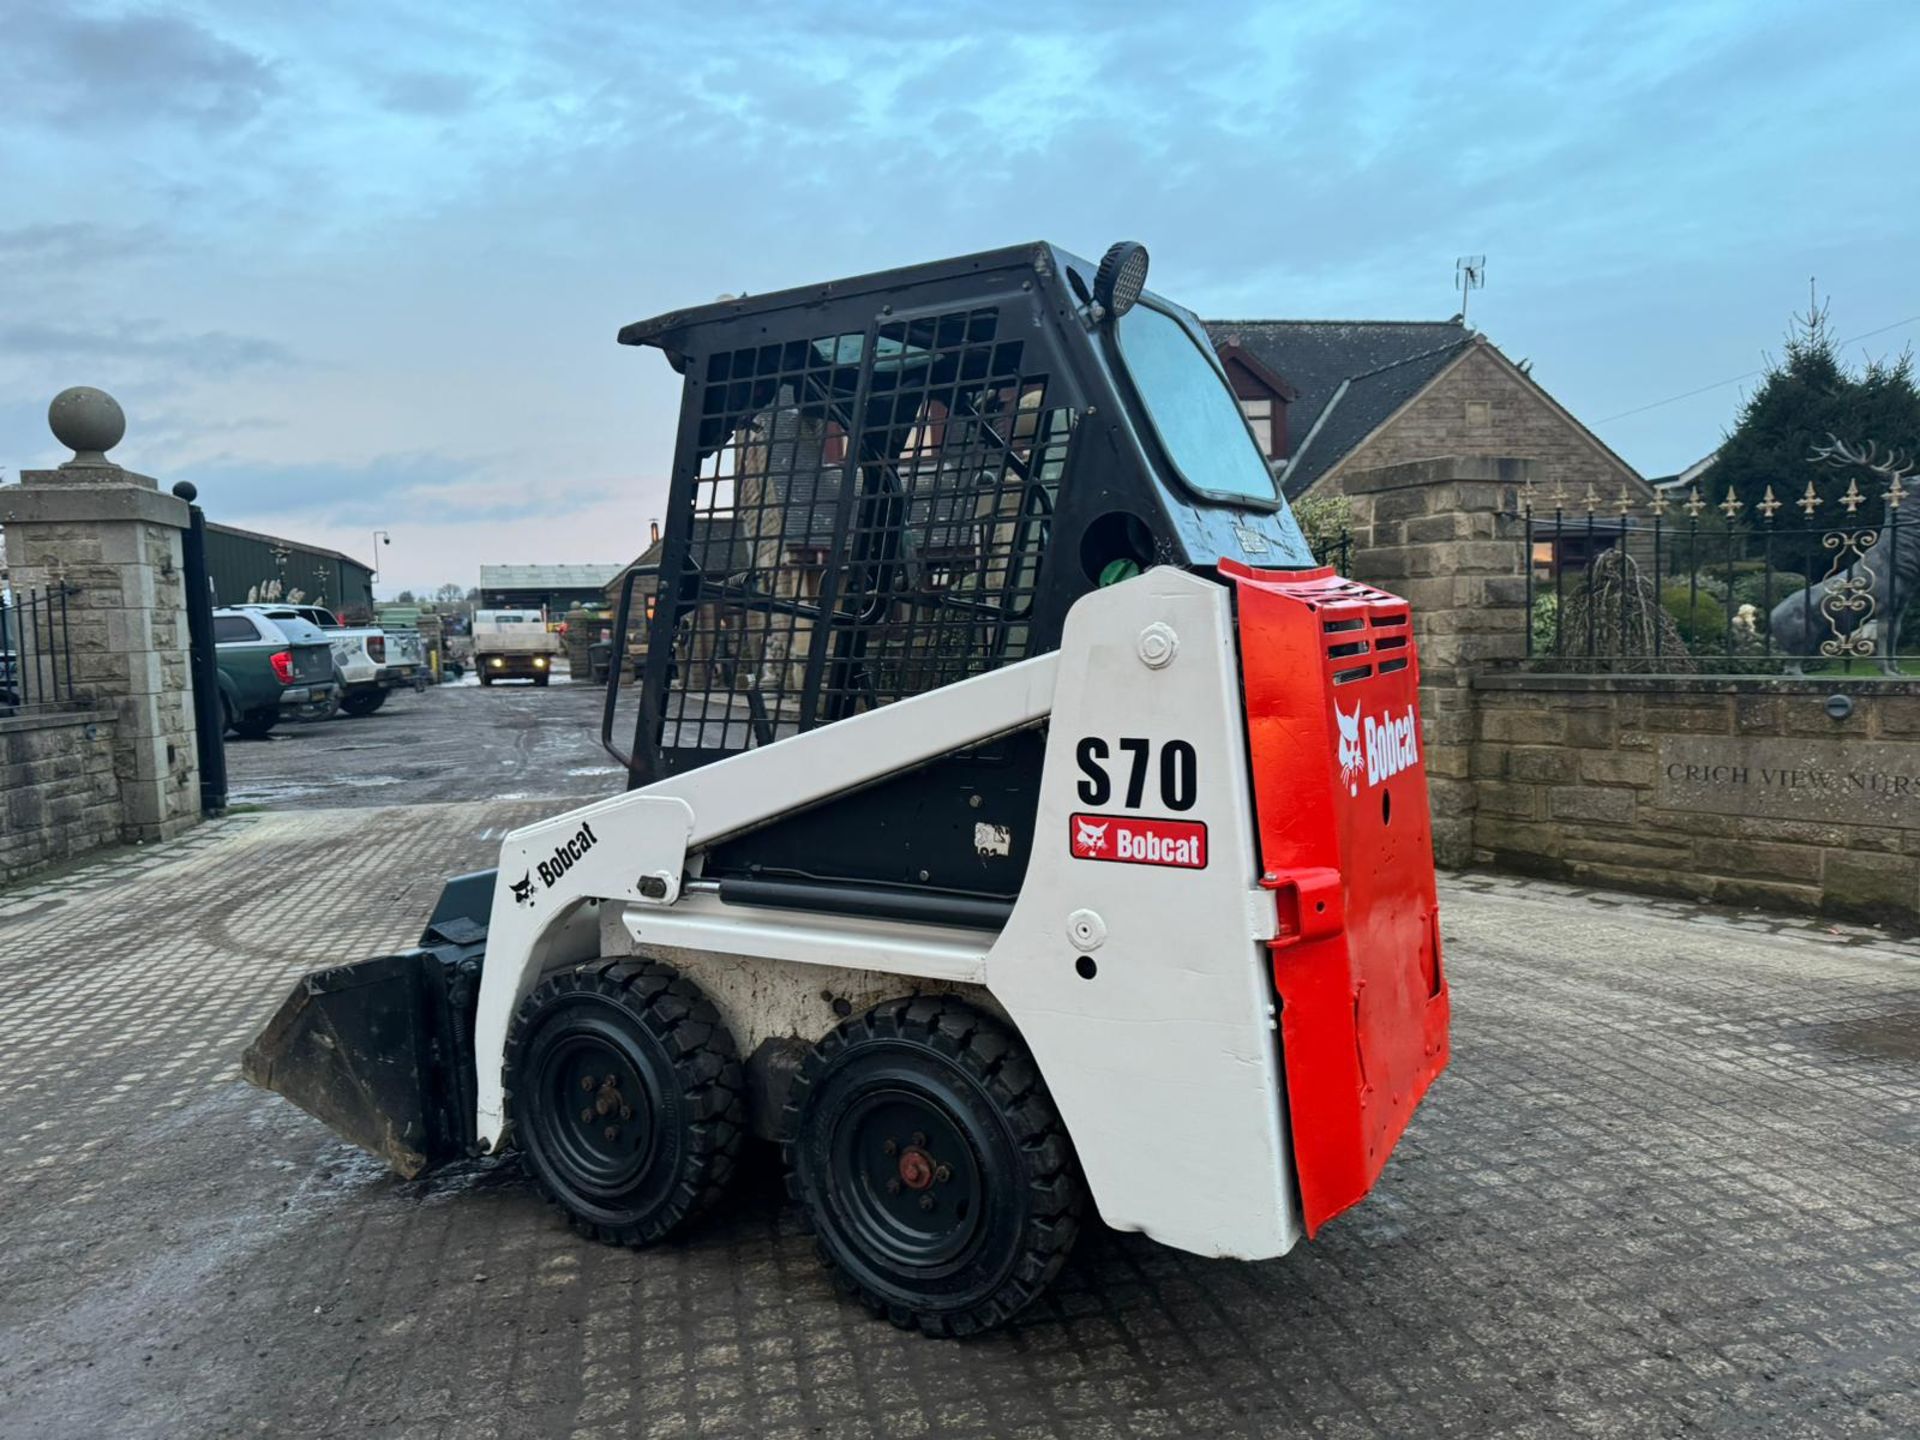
368 662
271 669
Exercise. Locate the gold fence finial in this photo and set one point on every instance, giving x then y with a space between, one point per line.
1768 503
1810 501
1731 506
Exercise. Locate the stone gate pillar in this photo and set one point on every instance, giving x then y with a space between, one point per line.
113 540
1446 535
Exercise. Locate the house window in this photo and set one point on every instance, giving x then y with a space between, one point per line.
1259 413
1479 414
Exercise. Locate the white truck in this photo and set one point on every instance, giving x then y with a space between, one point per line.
368 662
513 645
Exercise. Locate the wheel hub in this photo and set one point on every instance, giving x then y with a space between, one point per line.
916 1168
600 1120
916 1197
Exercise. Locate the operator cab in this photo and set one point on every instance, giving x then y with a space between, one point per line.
888 484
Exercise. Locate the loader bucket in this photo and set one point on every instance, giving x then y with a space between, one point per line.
381 1051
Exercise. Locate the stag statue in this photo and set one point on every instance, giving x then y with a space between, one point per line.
1857 608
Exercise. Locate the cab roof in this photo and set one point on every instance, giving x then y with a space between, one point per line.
666 329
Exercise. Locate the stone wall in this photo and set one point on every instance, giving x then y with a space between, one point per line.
127 631
1741 789
1446 536
59 797
1482 407
106 539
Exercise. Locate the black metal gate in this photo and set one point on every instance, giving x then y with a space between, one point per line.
209 718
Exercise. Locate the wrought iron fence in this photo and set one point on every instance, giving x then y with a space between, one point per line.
36 660
1334 549
1677 584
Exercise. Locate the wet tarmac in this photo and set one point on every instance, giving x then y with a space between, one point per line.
460 741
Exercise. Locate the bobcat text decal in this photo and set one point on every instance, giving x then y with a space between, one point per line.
1382 748
1135 840
563 857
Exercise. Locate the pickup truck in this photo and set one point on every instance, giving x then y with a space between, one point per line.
271 670
512 645
368 662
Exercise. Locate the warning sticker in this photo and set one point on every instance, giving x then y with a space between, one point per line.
1132 840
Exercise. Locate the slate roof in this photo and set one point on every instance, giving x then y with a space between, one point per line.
546 577
1382 364
803 485
717 548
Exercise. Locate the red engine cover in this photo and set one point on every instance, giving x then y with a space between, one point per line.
1346 841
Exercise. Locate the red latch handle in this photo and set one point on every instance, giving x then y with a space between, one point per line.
1308 903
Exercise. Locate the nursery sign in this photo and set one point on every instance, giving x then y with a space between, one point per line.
1858 782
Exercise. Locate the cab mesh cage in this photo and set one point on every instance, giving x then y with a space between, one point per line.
865 519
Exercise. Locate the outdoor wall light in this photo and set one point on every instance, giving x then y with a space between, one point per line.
1121 277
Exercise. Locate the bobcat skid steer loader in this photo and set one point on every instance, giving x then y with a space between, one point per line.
1017 814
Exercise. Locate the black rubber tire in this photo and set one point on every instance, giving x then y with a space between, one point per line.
485 678
255 724
363 702
1002 1145
541 680
645 1023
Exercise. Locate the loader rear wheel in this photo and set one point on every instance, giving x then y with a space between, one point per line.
626 1097
937 1176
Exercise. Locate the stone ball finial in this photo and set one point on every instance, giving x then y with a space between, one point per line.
88 422
186 490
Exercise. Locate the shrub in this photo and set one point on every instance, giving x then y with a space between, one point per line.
1324 520
1545 622
1699 614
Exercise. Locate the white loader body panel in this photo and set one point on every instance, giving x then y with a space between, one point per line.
1138 980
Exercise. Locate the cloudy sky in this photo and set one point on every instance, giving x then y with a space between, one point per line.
360 265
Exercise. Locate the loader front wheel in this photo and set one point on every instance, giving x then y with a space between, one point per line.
937 1176
626 1097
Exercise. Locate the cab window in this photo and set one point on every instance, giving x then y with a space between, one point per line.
1194 414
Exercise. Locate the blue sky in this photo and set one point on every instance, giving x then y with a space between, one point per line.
360 265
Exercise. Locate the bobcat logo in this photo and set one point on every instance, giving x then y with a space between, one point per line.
523 889
1347 752
1092 837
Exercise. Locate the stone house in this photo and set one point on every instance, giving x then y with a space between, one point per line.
719 551
1331 398
765 524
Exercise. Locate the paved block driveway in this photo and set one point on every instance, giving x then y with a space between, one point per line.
1669 1187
